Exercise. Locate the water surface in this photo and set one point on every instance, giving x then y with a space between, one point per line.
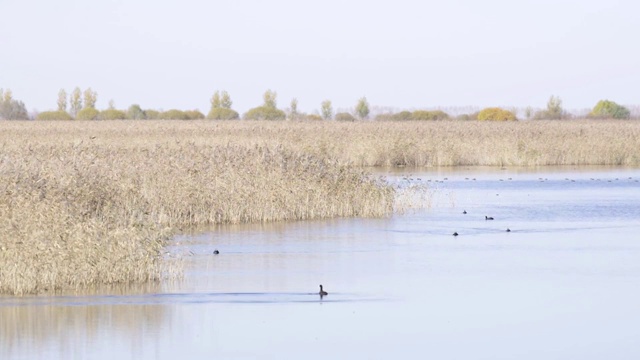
563 283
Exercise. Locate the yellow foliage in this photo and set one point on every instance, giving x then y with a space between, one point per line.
496 113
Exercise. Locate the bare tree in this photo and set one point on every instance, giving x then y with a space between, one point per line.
76 101
293 111
62 100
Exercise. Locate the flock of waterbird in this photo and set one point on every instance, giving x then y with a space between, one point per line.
486 218
323 293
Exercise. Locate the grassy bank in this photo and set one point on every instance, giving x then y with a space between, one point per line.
84 203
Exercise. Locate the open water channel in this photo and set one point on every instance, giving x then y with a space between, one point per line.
564 283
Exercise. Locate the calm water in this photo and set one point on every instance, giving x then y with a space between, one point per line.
563 284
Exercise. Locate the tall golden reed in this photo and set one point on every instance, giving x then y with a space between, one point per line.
81 205
86 203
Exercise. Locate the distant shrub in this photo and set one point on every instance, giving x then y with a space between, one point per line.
223 114
429 115
609 109
54 115
112 114
384 117
554 110
152 114
312 117
87 114
194 114
402 115
495 113
265 113
135 112
173 114
343 116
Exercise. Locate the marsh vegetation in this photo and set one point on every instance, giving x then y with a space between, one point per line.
86 203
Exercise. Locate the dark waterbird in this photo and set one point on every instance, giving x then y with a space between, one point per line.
508 230
455 234
322 292
216 252
488 217
464 211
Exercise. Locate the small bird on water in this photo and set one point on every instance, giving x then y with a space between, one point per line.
464 211
488 217
216 252
322 292
455 234
508 230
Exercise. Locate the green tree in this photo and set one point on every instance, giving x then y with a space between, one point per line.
152 114
194 114
270 99
362 108
62 100
216 103
8 96
88 113
554 108
609 109
90 98
112 114
268 111
221 107
174 114
135 112
54 115
225 100
75 101
326 109
429 115
223 114
11 109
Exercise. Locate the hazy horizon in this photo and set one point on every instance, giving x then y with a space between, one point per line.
408 55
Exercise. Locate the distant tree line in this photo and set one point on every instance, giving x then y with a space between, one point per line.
11 109
81 105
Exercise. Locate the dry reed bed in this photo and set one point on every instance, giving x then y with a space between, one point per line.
437 143
83 203
75 213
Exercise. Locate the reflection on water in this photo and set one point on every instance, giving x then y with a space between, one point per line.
563 283
61 326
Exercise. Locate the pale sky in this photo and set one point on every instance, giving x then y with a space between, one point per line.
404 54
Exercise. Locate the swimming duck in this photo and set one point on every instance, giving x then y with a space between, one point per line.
216 252
322 292
488 217
464 211
455 234
508 230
